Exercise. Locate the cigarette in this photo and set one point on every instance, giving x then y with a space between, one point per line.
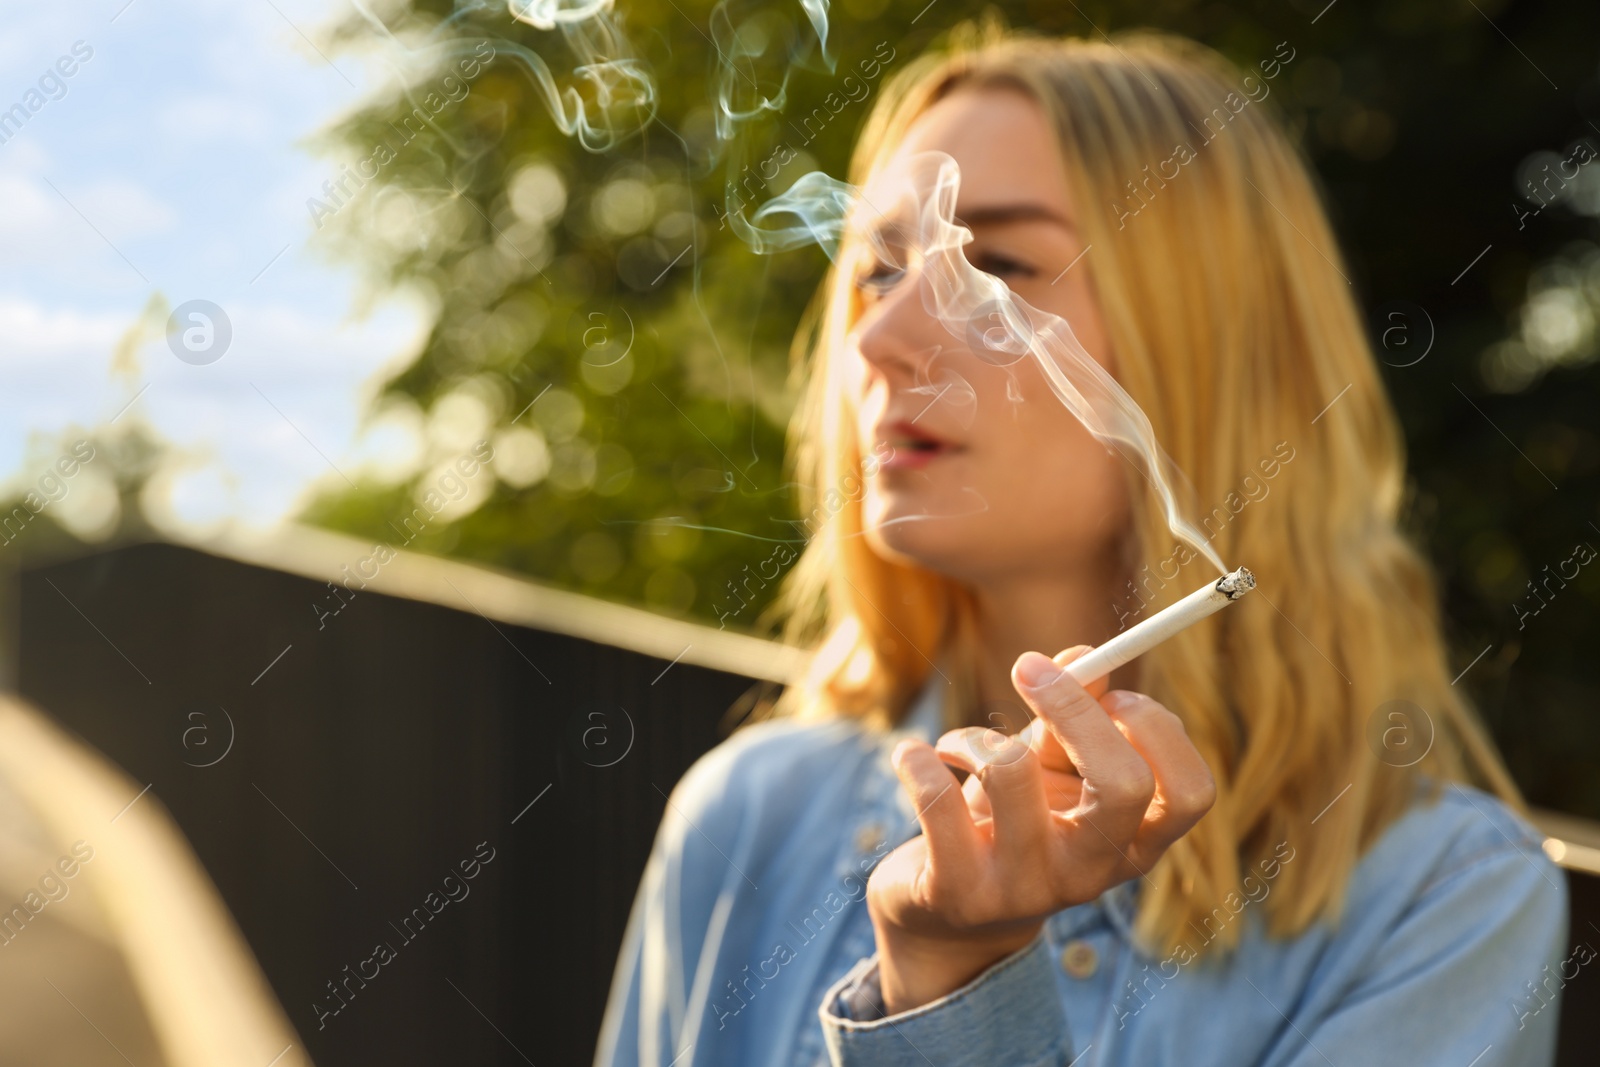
1137 640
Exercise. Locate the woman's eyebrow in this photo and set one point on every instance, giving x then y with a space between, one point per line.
1026 211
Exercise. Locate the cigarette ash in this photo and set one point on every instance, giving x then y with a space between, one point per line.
1237 584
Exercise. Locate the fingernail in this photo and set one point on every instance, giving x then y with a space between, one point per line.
1037 670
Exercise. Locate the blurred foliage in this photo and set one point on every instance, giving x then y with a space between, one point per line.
627 357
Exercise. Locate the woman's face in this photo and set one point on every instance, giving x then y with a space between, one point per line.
1019 486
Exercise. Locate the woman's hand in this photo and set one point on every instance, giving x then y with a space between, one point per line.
1061 781
974 888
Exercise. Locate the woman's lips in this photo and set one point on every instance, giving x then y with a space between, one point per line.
910 446
907 457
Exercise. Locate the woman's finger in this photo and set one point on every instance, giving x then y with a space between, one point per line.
1010 776
1039 738
1064 791
970 747
953 839
1185 788
1096 688
1118 783
1007 771
977 799
1060 789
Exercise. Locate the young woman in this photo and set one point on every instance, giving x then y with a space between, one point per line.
1279 838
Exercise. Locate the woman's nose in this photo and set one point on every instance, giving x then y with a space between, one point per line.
897 334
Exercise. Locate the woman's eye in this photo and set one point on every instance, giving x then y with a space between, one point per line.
1002 266
879 277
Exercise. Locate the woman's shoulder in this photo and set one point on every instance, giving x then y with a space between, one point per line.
1457 851
779 761
785 787
1451 825
770 769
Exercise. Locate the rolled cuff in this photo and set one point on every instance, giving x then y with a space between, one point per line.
1011 1014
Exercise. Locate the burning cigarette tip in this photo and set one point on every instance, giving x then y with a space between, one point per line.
1237 584
1141 638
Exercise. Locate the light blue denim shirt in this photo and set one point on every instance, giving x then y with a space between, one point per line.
749 942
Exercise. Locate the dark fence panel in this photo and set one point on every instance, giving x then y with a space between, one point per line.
1580 986
375 750
369 758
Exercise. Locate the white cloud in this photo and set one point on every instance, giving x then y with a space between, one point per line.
181 143
121 210
80 230
279 413
217 118
44 334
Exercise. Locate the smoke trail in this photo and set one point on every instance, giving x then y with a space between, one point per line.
739 47
611 95
625 98
906 218
817 12
822 204
741 50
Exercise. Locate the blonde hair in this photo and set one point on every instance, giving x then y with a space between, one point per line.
1258 331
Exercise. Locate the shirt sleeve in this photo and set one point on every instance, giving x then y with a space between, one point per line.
1471 974
1011 1014
698 908
659 994
621 1039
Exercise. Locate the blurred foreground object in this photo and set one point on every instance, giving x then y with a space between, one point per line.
114 945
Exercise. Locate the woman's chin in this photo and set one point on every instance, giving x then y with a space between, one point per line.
894 545
907 533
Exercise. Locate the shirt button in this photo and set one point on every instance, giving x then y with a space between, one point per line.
869 837
1079 958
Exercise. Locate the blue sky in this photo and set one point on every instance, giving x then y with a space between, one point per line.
174 165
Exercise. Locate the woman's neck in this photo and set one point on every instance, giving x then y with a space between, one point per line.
1042 613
